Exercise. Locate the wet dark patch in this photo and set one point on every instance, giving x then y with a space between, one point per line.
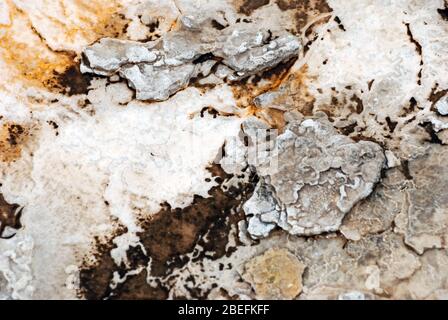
444 11
248 6
73 82
391 124
279 70
94 279
9 217
358 102
435 96
339 22
204 57
153 26
174 232
247 89
320 5
409 109
347 130
134 289
433 137
55 127
14 133
361 137
217 25
405 169
168 237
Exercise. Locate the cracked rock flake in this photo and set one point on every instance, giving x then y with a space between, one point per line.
158 69
311 179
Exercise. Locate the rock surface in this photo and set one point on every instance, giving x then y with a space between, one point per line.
276 274
313 178
160 149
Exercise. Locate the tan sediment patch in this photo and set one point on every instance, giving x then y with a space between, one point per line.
11 137
276 274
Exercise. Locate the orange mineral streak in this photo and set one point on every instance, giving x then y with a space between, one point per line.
292 86
29 58
26 56
295 94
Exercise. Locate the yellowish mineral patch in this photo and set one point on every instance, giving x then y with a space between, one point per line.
38 45
11 138
276 274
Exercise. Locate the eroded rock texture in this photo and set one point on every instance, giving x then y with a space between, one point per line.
160 149
311 179
158 69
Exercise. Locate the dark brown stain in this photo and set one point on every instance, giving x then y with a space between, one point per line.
437 94
339 22
391 124
9 216
168 237
248 6
304 10
135 288
347 130
174 232
359 105
405 169
433 137
409 109
94 279
444 12
72 81
217 25
362 137
418 48
320 5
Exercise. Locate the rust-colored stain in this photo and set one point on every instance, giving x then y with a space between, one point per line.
295 94
248 6
246 90
34 63
167 237
289 89
9 216
11 138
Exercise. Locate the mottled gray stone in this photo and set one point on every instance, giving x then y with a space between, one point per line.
314 176
160 68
